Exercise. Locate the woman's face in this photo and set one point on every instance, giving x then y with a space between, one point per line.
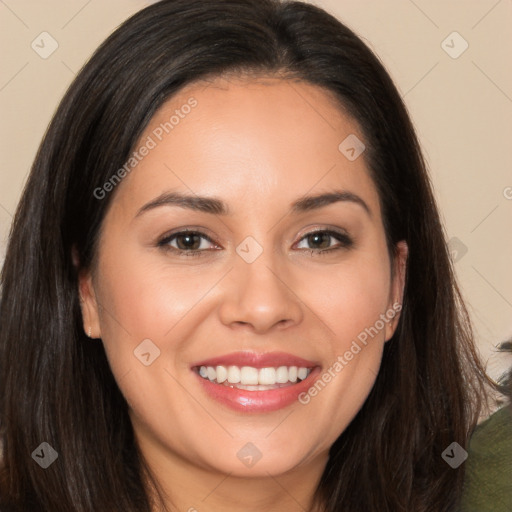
284 265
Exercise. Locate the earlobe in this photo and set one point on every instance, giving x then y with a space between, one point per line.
397 288
89 305
87 296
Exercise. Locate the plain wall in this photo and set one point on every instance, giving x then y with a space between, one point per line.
461 107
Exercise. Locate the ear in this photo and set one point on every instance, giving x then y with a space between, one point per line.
397 288
88 302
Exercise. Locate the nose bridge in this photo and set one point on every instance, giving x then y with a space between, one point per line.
259 294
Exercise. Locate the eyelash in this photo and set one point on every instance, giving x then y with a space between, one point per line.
345 242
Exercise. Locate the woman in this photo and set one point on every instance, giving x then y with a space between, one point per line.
227 283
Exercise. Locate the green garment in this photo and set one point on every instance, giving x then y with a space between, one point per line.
488 485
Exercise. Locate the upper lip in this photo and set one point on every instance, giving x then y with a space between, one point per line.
257 360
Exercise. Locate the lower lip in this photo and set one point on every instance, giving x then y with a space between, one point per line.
243 400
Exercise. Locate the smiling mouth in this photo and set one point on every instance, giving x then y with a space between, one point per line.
253 379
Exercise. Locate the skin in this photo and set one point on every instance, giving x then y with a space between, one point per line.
258 145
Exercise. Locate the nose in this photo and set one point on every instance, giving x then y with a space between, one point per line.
259 296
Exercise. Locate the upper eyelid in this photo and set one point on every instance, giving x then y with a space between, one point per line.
342 236
337 231
199 231
167 238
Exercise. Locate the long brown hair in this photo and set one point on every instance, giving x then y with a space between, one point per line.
57 387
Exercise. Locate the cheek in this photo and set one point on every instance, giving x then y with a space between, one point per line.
148 310
350 297
153 301
350 301
149 300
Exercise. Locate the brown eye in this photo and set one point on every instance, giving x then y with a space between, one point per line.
320 240
188 241
324 241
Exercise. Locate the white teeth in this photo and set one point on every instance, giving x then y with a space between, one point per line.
233 375
267 376
249 376
282 375
222 374
302 373
252 378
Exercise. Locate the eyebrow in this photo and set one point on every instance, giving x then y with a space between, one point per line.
198 203
309 203
218 207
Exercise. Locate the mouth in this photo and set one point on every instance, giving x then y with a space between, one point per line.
251 382
254 379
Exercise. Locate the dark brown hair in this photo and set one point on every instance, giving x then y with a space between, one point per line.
56 385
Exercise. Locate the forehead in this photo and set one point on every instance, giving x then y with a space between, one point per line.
252 139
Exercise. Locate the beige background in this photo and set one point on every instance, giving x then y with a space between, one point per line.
462 109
